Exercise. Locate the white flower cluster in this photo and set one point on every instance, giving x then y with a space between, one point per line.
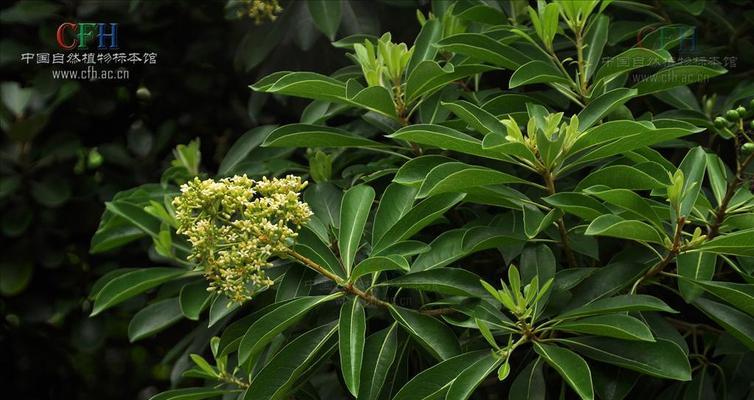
235 225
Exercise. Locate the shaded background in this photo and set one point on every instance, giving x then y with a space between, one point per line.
68 146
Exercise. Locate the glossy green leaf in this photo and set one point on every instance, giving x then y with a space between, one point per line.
738 324
424 46
615 226
421 215
198 393
483 48
456 177
154 318
434 336
740 295
326 15
132 283
577 204
194 298
662 359
396 201
693 166
429 76
278 377
736 243
351 333
530 383
413 172
630 201
477 118
379 354
354 211
570 366
467 381
277 320
695 267
372 264
603 105
450 281
242 148
445 138
304 135
622 303
619 326
434 382
536 71
643 176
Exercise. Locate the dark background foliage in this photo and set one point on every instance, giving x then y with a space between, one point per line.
53 188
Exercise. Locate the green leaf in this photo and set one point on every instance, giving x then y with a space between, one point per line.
535 221
662 359
297 282
354 210
577 204
619 137
303 84
622 303
736 243
413 172
304 135
603 105
154 318
276 380
324 200
135 215
615 226
194 298
619 326
191 394
467 381
421 215
536 71
570 366
479 119
454 177
634 58
450 281
595 39
372 264
242 148
530 383
693 167
435 381
434 336
738 324
15 277
379 354
429 77
628 200
445 138
719 176
678 75
396 201
127 285
351 332
694 267
741 295
643 176
424 45
267 326
483 48
326 15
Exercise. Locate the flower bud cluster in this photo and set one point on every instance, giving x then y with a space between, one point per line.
259 10
235 225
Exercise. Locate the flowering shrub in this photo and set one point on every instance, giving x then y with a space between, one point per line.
495 209
235 225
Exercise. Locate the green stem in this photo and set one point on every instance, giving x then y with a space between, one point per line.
550 183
